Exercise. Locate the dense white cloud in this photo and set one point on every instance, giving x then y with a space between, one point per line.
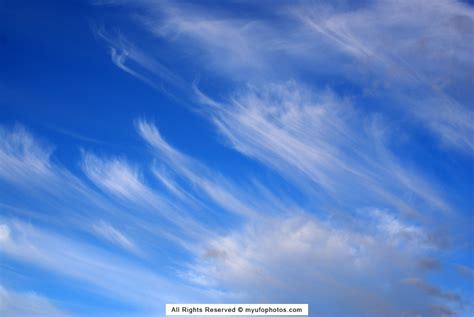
339 271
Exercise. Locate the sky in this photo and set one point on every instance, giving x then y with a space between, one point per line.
157 152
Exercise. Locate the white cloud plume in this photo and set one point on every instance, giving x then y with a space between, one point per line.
318 137
115 176
22 157
211 184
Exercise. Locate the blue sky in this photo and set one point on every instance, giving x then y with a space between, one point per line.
158 152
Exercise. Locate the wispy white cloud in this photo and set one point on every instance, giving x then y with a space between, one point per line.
210 183
112 234
109 274
353 40
287 136
136 62
421 35
326 141
61 200
119 178
21 156
212 33
354 248
17 304
211 187
234 261
115 176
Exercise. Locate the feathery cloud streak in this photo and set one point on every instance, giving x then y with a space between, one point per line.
351 182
